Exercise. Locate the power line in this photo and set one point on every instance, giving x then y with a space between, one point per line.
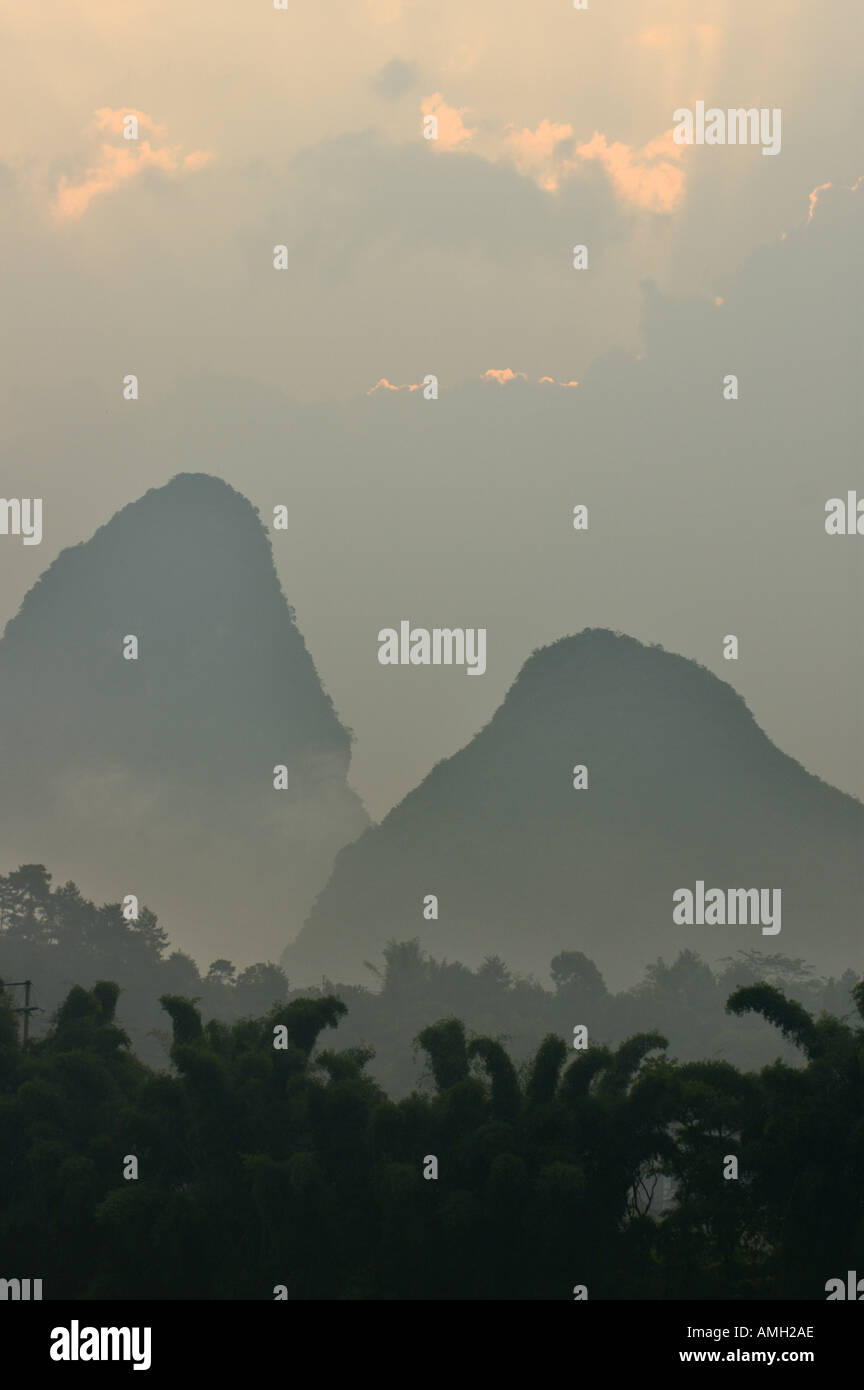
28 1008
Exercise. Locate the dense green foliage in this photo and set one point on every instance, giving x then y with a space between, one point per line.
262 1166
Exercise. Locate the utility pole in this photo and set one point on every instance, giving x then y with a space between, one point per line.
28 1008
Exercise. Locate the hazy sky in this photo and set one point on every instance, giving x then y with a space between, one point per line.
407 256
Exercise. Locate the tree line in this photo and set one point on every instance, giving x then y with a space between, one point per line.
263 1171
57 938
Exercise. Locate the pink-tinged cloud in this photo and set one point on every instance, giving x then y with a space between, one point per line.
647 178
823 188
650 178
502 374
116 165
814 198
384 385
452 133
534 152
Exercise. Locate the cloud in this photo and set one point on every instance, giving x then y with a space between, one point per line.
814 198
538 153
650 178
396 78
344 198
116 165
384 385
502 374
452 134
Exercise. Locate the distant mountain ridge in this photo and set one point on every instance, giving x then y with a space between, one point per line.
155 776
683 786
